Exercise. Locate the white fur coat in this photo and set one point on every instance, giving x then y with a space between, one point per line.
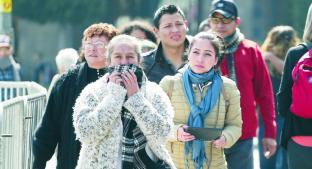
98 125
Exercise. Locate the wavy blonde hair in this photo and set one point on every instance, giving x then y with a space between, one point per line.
278 41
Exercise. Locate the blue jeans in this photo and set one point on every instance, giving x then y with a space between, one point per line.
240 155
279 159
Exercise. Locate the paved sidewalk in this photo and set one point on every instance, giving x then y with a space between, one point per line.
52 163
256 154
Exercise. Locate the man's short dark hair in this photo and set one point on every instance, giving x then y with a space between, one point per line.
166 9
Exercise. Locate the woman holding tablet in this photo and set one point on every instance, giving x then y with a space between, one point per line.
201 98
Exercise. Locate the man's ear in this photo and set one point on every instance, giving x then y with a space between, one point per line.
156 31
237 21
11 50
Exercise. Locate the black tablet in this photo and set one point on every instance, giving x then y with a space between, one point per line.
205 134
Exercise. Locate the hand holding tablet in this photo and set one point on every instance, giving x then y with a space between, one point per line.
205 134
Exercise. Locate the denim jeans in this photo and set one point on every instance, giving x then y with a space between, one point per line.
279 159
240 155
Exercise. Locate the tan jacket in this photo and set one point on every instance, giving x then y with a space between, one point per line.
230 121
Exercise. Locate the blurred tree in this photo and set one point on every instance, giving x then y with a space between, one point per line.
82 11
290 12
56 11
265 14
299 10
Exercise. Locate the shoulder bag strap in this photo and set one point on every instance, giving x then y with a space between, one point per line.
170 89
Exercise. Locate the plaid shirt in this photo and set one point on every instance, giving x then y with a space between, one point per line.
7 74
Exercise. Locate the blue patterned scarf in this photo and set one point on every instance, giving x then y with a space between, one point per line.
199 112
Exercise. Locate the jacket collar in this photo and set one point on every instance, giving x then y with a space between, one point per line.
159 55
82 76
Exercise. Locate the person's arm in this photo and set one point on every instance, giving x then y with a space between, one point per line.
233 120
264 95
284 93
264 99
53 81
93 116
47 136
167 85
153 114
276 62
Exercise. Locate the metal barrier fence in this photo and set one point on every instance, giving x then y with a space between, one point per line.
11 141
19 117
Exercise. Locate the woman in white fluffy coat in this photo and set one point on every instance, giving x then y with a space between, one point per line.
98 115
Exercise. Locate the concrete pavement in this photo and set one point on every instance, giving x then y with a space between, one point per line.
52 163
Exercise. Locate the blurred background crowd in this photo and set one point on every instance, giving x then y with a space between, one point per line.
41 28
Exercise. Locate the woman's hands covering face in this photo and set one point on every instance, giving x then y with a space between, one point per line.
129 81
115 77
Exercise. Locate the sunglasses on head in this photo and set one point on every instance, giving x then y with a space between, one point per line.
216 20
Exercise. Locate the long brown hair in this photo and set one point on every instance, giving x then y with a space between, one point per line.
278 41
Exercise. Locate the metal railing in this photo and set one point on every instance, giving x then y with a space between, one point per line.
19 117
11 130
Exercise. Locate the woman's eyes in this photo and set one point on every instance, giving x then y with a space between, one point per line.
167 26
205 54
130 56
117 56
195 52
